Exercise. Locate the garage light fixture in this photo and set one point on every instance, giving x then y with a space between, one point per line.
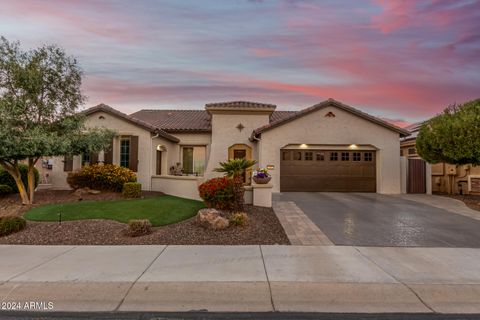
303 146
353 146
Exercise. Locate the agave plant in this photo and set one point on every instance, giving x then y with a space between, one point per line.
234 169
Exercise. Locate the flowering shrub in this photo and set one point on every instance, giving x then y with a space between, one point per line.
218 193
101 177
261 173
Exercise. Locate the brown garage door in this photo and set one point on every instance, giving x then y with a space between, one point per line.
328 170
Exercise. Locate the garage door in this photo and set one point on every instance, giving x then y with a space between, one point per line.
328 170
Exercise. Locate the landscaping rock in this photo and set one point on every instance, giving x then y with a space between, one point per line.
83 191
212 218
220 223
91 191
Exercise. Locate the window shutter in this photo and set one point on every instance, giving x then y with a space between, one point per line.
134 153
108 154
93 158
68 163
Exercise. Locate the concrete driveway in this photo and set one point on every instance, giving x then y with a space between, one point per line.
368 219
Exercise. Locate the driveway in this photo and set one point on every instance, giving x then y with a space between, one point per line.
368 219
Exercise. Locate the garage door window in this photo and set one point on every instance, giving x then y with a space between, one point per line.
309 156
297 155
345 156
367 156
320 156
357 156
286 155
333 156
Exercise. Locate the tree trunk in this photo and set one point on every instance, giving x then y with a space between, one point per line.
31 178
239 192
13 170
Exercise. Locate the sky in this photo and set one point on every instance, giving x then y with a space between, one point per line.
400 60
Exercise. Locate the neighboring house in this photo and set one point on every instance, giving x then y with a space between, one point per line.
327 147
445 177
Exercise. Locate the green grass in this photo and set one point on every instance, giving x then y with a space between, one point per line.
160 211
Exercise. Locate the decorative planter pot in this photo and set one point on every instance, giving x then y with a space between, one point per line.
259 180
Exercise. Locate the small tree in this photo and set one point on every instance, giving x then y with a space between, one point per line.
453 136
39 101
235 169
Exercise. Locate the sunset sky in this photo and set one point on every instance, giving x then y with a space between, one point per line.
401 60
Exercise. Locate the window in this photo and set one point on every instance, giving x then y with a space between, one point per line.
308 155
401 153
193 160
297 155
333 156
239 154
367 156
285 155
320 156
125 152
412 151
86 159
345 156
356 156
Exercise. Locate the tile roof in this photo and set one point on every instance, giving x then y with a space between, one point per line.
149 127
176 120
327 103
188 120
280 115
239 105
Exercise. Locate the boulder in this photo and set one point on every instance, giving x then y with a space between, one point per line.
220 223
212 218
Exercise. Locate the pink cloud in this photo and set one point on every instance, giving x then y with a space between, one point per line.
264 52
102 20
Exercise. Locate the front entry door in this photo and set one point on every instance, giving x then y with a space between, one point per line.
241 151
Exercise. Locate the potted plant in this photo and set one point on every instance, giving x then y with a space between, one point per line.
261 176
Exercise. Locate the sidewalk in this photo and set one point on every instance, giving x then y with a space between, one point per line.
242 278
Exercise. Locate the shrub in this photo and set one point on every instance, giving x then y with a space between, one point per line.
139 227
5 189
218 193
10 225
239 219
7 179
132 190
101 177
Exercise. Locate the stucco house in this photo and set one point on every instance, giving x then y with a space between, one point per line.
439 177
327 147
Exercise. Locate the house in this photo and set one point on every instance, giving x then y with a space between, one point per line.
327 147
444 178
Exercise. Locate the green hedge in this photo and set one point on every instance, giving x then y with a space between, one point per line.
132 190
10 225
7 179
101 177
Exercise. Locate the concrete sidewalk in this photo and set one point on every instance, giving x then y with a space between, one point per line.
242 278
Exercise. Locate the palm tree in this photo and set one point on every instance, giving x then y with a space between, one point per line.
234 169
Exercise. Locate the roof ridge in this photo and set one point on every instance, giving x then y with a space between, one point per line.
338 104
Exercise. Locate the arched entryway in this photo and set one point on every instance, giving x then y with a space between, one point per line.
241 151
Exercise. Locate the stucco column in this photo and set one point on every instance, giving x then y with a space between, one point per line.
262 195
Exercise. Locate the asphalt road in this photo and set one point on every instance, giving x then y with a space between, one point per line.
369 219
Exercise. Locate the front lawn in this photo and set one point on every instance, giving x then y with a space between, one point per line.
159 210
